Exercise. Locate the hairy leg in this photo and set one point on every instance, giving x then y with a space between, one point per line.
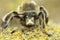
7 18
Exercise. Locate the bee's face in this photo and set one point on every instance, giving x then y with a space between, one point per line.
29 19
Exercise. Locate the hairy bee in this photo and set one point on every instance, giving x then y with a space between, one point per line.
28 13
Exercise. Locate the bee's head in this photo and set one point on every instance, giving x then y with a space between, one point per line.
29 19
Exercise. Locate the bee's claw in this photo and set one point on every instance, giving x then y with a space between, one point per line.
4 25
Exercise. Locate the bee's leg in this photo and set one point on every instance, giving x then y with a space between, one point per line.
42 23
45 13
43 18
7 18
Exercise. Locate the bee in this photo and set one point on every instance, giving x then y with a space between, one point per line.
29 14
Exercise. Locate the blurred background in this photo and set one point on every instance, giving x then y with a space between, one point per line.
52 6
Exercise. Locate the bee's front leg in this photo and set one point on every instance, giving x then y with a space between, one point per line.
7 18
43 19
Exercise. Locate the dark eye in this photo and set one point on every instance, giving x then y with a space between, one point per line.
34 14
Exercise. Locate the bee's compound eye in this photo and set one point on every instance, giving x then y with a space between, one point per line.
33 13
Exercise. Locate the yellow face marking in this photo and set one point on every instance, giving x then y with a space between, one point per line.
30 21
